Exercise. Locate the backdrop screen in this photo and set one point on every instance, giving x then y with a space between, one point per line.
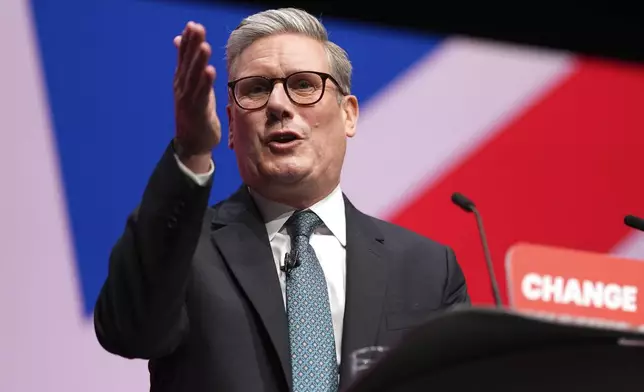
547 144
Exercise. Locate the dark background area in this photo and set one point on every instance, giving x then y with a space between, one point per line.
604 30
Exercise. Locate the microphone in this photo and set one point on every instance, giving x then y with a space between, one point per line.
468 206
634 222
290 262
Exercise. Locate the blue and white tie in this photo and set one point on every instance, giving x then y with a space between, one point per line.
312 342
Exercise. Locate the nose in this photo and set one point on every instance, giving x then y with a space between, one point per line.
279 106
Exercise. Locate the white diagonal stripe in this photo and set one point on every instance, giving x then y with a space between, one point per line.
45 342
438 112
631 246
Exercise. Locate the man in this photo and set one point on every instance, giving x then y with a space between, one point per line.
250 294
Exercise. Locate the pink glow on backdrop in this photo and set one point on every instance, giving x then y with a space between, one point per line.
45 342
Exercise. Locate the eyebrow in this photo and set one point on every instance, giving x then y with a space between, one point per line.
282 75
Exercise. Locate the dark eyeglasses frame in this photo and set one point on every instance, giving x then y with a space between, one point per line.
272 81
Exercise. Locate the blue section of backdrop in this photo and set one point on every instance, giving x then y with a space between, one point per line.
109 65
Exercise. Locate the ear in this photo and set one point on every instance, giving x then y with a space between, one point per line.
351 111
230 127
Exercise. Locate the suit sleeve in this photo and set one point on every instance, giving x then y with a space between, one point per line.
455 291
140 311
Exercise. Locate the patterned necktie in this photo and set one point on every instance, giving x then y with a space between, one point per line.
312 342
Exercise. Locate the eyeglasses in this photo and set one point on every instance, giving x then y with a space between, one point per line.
302 88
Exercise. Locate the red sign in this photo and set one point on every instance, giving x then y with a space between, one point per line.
578 286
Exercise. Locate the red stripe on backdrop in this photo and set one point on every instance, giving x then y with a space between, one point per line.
564 173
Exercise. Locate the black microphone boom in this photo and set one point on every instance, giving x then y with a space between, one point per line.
634 222
463 202
468 206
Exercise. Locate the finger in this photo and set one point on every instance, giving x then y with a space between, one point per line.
197 67
181 42
177 44
205 85
185 40
196 34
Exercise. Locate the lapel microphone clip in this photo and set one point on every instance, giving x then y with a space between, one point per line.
291 261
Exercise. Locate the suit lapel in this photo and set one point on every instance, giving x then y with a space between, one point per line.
239 233
366 286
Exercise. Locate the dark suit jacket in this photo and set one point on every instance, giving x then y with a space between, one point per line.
194 289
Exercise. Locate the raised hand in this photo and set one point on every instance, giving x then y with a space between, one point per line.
198 129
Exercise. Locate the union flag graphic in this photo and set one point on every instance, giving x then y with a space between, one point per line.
548 144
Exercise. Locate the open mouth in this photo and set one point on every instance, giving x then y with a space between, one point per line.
283 137
283 141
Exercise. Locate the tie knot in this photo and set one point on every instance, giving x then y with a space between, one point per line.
303 223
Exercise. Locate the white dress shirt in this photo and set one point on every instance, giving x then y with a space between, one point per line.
329 242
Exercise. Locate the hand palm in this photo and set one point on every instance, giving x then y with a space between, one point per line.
198 129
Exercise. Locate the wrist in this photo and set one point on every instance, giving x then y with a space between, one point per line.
197 161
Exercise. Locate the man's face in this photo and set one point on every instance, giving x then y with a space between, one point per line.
286 145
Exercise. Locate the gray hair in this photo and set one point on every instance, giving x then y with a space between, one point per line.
288 20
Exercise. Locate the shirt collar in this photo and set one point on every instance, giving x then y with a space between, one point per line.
330 210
